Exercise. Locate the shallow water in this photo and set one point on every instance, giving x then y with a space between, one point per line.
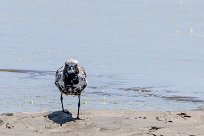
139 55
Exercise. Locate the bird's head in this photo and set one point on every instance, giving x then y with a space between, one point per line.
71 68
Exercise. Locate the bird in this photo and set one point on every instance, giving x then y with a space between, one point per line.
70 79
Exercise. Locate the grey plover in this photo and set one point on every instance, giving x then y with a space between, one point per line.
71 80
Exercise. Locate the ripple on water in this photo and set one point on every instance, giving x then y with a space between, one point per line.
183 99
138 89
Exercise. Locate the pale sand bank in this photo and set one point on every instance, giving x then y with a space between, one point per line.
104 123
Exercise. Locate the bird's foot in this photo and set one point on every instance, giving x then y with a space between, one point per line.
78 117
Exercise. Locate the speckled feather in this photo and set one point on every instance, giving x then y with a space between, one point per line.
66 84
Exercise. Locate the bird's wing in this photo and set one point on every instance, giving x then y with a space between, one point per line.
82 72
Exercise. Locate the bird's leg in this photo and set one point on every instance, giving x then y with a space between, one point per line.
62 102
78 106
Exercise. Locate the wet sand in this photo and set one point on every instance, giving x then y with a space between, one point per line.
103 123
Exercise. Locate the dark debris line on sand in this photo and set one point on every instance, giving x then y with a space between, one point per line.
183 115
7 114
1 122
9 126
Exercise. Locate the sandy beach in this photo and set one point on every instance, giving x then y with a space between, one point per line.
103 123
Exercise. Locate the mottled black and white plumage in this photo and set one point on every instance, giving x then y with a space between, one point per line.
71 80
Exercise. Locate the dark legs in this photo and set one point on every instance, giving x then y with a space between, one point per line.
62 103
79 103
78 107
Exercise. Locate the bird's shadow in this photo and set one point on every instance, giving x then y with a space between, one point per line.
61 117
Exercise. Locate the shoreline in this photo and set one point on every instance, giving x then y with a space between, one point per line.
103 123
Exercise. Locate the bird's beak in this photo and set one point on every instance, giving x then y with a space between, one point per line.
71 71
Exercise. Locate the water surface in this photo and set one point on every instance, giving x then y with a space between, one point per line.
139 55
